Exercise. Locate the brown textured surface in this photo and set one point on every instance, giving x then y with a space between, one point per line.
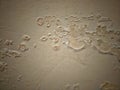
43 68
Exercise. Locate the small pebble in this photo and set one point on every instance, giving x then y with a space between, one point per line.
43 38
26 37
56 47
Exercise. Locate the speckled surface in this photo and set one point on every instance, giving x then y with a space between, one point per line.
34 55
